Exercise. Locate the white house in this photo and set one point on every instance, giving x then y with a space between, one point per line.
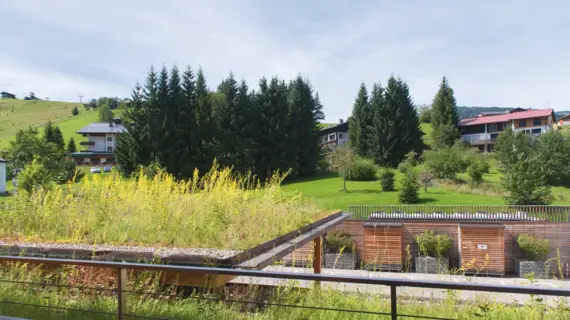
335 135
2 176
101 143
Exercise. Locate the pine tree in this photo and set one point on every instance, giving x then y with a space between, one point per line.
444 116
49 132
205 123
169 152
245 130
58 138
396 128
360 122
187 140
226 114
71 147
159 120
305 114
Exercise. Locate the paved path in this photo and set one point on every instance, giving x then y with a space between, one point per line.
420 293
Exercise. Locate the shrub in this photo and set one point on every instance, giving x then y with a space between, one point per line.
35 177
404 166
387 180
433 244
412 158
446 162
534 249
74 111
362 169
409 189
339 239
476 169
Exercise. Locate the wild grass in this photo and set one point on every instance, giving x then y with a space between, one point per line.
171 303
219 210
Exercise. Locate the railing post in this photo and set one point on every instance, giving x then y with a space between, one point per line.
393 301
121 294
317 255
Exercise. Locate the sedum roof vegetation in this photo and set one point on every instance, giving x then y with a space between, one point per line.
219 210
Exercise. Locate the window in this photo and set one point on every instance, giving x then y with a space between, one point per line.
340 135
522 123
492 127
110 139
109 149
536 131
332 136
494 136
537 122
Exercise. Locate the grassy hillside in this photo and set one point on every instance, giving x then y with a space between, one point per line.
18 114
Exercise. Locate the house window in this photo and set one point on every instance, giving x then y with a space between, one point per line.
537 122
494 136
493 127
332 136
110 139
536 131
109 149
522 123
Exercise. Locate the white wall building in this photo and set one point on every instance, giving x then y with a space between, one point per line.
2 176
101 143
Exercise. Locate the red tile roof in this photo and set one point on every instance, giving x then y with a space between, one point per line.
506 117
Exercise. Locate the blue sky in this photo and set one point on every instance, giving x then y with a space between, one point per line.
510 53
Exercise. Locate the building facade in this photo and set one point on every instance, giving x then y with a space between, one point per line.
100 145
482 131
7 95
334 136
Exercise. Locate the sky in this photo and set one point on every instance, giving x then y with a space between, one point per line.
494 53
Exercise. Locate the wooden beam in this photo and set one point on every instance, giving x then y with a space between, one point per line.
318 254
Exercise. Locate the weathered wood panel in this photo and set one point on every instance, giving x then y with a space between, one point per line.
412 229
383 248
483 260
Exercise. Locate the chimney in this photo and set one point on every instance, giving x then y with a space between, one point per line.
118 121
340 121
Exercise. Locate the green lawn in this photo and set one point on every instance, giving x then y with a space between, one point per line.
16 114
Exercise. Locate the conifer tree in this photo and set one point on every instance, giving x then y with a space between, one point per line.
58 138
49 132
205 123
228 133
360 122
170 153
71 146
444 116
187 140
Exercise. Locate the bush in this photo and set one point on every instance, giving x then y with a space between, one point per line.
362 169
431 244
477 168
446 162
339 239
409 189
412 158
35 177
404 166
387 180
68 172
534 249
425 115
74 111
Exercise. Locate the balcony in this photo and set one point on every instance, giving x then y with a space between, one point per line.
479 138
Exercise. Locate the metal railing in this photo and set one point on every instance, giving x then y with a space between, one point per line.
121 291
488 213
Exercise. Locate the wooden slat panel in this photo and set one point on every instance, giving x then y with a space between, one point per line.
412 229
383 247
492 259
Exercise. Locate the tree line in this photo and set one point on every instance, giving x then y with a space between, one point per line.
176 122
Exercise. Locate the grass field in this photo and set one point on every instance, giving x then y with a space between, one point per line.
16 114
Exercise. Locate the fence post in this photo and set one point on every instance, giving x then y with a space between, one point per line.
393 301
318 255
121 294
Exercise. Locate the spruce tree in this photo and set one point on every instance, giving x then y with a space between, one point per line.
245 131
228 133
205 123
170 153
159 119
305 114
58 138
71 146
444 118
187 140
360 122
49 132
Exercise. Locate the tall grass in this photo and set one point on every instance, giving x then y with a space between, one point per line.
219 210
201 305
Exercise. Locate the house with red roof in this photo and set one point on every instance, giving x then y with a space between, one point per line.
482 131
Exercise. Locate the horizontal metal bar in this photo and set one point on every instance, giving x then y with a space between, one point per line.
299 276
